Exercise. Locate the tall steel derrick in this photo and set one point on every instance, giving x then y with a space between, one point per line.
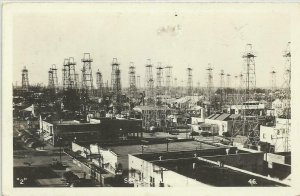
210 85
99 82
248 124
189 81
70 77
73 77
241 88
25 79
273 80
55 78
198 88
287 87
138 82
228 86
249 72
50 79
168 82
159 79
236 89
132 82
222 88
287 72
149 84
87 77
116 84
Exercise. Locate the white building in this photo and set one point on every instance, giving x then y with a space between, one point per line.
222 121
249 107
277 136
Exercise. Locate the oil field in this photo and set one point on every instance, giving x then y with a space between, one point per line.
183 97
79 130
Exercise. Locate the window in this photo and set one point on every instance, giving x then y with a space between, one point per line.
264 135
278 132
152 181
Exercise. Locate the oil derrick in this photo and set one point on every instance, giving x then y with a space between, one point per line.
72 78
114 66
236 89
249 72
287 98
248 123
240 89
198 88
228 85
222 86
272 86
25 79
149 83
209 83
87 77
50 79
99 82
77 82
159 82
287 88
175 82
250 120
71 99
287 72
189 81
116 85
273 80
66 75
55 78
138 82
168 79
132 82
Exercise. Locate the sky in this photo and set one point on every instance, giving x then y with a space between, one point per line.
192 36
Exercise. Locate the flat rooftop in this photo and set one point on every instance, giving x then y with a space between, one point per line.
214 175
123 151
200 152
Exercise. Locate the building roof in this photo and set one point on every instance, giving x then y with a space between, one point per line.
123 151
209 173
141 108
222 117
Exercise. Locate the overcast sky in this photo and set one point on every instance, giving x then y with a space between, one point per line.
175 37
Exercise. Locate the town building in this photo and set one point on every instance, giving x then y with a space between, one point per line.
221 123
276 138
113 157
223 167
249 108
60 132
153 116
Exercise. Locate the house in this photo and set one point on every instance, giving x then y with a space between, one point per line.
223 121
